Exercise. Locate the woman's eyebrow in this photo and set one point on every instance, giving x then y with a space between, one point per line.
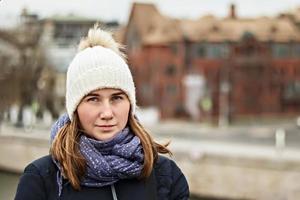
92 95
118 93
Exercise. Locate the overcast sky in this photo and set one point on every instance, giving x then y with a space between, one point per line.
119 9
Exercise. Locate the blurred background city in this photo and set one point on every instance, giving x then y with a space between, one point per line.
220 79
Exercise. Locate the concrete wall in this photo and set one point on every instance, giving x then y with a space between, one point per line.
233 175
212 169
18 151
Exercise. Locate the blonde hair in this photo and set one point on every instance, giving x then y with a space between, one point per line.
65 149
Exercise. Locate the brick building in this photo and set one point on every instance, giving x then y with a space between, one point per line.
212 67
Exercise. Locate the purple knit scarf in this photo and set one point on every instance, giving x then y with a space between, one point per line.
112 160
107 161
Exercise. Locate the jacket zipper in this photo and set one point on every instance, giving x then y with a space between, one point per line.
113 191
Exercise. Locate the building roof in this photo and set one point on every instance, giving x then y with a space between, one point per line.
213 29
70 18
155 28
292 14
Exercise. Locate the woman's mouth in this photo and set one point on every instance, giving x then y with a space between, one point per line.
105 128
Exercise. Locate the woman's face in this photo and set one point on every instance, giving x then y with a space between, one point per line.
103 113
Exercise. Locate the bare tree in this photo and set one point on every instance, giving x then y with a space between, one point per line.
19 82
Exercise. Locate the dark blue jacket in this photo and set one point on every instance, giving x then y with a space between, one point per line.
166 182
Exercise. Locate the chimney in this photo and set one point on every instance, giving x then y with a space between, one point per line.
232 13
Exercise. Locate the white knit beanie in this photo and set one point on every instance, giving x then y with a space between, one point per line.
97 67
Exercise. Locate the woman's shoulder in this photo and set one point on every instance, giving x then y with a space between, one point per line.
42 166
166 166
171 182
37 180
167 171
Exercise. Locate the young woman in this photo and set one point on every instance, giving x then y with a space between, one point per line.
99 150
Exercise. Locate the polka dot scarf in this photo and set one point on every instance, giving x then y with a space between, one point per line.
107 161
112 160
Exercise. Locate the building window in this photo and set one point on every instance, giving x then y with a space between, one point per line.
201 51
216 51
66 34
280 50
292 91
67 31
171 89
296 50
220 50
174 49
147 91
170 70
213 51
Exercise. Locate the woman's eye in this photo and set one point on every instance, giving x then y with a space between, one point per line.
92 99
115 98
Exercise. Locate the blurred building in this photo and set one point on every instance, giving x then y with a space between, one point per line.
59 39
54 42
211 67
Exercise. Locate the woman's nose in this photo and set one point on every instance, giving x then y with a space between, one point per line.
106 111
